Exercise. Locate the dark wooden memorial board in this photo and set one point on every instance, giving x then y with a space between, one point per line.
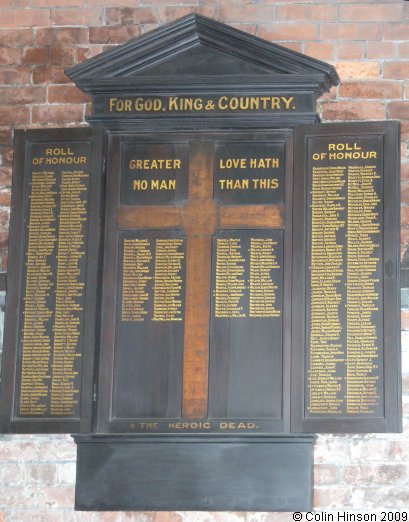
198 330
202 312
346 285
52 282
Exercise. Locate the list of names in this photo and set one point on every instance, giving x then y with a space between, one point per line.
50 370
152 278
248 276
345 341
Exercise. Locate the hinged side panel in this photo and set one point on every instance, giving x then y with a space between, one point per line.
346 311
50 325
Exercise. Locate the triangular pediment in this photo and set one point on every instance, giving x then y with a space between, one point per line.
196 46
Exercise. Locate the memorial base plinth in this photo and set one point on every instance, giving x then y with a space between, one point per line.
194 472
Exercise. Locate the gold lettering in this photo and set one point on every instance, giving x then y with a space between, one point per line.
265 183
343 146
163 184
233 163
230 184
155 164
223 105
264 163
59 152
140 184
287 102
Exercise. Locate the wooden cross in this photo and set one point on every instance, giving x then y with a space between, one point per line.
200 217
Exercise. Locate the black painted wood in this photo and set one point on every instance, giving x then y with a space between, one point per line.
199 473
140 363
30 145
246 353
148 360
384 411
197 60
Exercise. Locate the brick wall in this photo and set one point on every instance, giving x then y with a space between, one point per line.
367 41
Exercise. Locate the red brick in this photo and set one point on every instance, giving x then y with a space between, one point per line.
14 75
307 12
381 12
5 198
327 450
62 55
370 89
375 474
24 17
4 219
35 55
58 449
77 16
16 38
381 50
58 114
47 515
404 193
61 36
289 32
130 15
353 111
404 172
49 74
115 34
17 497
404 237
4 239
122 3
22 95
247 12
403 49
331 497
5 136
396 31
350 50
58 3
10 56
182 2
57 497
7 155
355 70
404 216
404 150
14 115
350 31
16 3
65 93
18 451
320 50
5 176
396 497
326 474
399 110
170 13
84 53
396 70
11 474
42 474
